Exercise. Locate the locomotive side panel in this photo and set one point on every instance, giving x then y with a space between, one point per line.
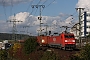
62 39
54 41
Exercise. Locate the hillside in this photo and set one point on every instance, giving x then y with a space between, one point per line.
8 36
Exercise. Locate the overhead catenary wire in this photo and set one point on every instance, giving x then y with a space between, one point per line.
44 2
39 2
32 9
4 9
11 7
36 11
52 2
29 5
31 2
26 9
48 5
37 8
69 15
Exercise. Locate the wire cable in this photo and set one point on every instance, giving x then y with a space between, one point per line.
44 2
36 11
11 7
29 5
28 9
32 9
4 9
48 5
37 8
39 2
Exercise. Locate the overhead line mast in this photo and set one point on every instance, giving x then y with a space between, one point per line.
14 30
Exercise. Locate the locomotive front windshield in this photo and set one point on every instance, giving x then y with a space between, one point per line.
69 36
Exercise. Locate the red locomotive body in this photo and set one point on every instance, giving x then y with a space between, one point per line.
68 41
54 41
63 40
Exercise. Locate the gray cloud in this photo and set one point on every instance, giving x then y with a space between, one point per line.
12 2
31 24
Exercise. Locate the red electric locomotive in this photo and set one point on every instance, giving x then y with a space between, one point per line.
63 40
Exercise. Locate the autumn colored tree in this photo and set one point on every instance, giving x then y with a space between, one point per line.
13 50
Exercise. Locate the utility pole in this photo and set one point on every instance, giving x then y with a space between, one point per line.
14 30
46 29
40 17
80 10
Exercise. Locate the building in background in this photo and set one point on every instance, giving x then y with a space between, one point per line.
85 26
75 30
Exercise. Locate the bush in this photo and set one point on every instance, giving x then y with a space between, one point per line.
16 46
75 58
30 45
48 55
3 55
84 54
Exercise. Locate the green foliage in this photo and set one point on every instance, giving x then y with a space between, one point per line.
49 56
84 54
75 58
3 55
30 45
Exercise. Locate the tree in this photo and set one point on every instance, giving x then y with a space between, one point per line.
30 45
3 55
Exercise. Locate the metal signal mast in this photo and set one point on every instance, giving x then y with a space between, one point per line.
39 18
14 30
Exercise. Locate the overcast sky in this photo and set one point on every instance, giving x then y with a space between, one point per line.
55 14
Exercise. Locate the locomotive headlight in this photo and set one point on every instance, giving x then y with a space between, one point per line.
43 40
66 40
73 40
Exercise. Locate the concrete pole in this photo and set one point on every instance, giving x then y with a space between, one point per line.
80 41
